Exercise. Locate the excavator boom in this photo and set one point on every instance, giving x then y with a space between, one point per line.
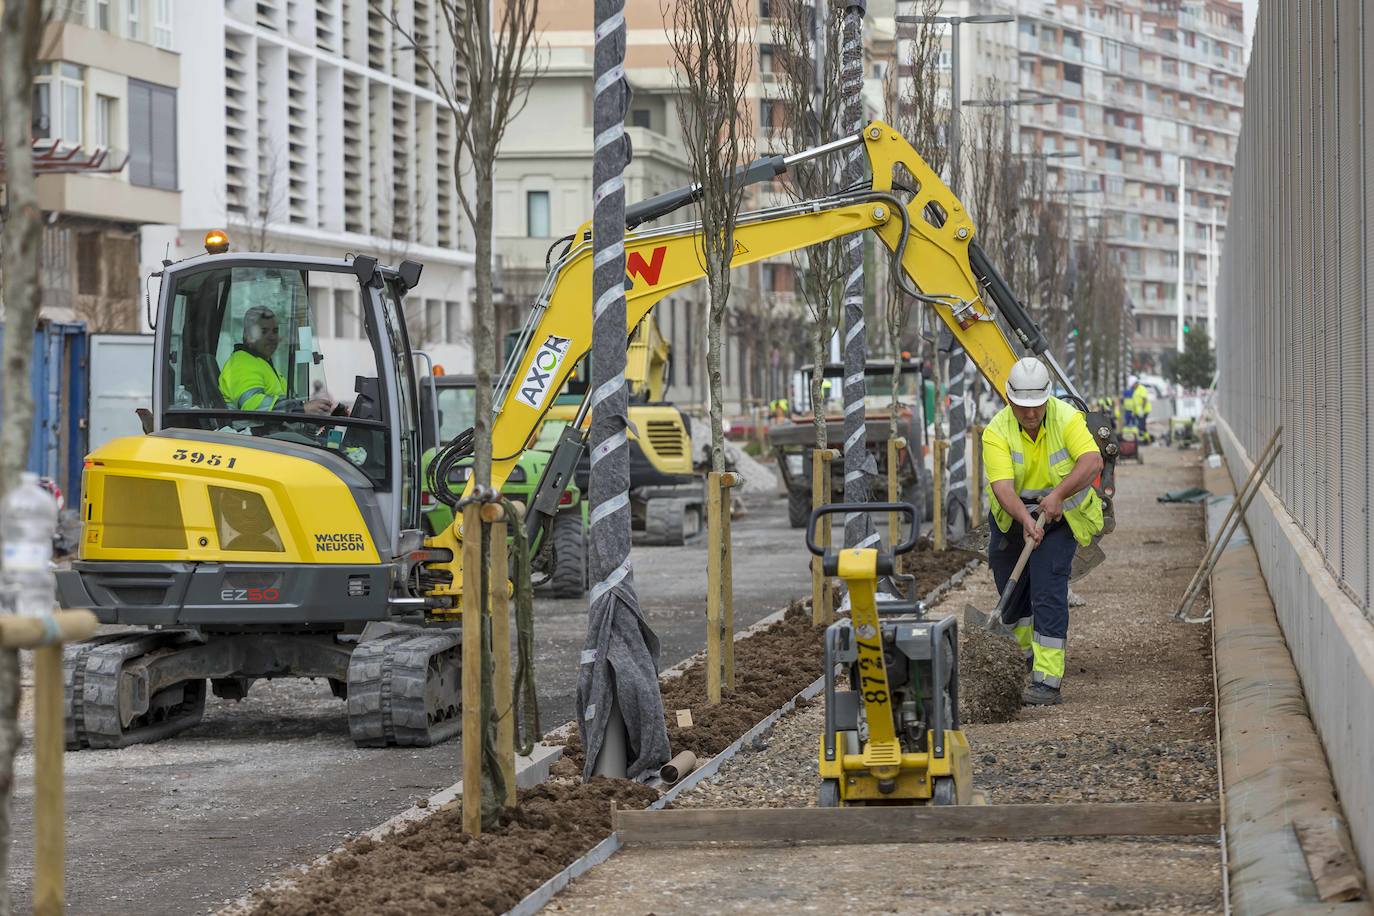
918 218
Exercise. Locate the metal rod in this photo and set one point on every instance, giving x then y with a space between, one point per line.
825 149
1244 488
1063 376
1240 506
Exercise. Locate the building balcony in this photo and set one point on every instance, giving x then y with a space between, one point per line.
108 197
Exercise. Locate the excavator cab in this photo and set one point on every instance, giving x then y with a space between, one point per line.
238 353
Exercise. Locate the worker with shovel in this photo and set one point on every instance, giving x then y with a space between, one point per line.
1040 456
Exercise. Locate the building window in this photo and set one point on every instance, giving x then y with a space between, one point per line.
453 322
134 11
162 24
105 114
642 117
102 15
152 135
537 214
57 102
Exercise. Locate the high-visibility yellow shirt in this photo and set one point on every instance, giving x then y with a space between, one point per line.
249 382
997 451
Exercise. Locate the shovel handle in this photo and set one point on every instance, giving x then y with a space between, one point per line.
1017 570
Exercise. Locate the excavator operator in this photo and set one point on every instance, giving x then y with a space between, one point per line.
249 380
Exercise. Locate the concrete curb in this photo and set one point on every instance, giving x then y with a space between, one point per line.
541 896
1272 769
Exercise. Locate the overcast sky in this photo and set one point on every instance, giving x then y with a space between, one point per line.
1251 11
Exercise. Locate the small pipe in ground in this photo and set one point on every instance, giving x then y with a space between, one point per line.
677 768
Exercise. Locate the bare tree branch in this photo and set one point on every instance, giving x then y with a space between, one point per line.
807 54
485 88
711 42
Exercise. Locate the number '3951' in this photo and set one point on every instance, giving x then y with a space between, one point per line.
208 458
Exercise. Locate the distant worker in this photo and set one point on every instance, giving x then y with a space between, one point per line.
1038 452
249 380
1139 397
779 409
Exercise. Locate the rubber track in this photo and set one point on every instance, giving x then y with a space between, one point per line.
665 521
388 679
90 675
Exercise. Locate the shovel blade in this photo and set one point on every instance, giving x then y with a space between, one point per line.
1085 560
990 622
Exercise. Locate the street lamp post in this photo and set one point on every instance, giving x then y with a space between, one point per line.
954 93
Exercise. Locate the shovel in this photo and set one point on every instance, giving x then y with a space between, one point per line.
993 622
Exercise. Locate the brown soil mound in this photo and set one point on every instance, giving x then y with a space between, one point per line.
771 667
932 568
431 866
992 671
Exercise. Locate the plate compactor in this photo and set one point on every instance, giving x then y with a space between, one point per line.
893 737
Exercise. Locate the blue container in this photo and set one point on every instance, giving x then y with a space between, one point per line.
57 379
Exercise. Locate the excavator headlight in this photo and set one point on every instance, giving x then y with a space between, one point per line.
244 521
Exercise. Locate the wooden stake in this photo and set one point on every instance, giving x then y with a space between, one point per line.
713 587
499 584
727 582
938 515
894 519
49 818
472 670
822 611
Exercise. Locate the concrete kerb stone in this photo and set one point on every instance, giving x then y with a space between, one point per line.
529 771
544 894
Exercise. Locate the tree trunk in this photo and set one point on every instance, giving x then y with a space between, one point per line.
818 347
719 291
20 29
484 340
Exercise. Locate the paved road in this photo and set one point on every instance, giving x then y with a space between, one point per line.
185 825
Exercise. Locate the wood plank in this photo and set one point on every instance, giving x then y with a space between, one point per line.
472 668
1334 870
49 827
713 588
498 580
915 824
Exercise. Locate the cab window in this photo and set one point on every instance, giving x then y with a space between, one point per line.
242 355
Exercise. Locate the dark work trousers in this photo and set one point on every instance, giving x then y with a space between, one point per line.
1039 611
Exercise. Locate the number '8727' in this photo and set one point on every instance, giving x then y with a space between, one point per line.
208 458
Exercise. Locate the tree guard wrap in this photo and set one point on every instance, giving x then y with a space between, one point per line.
858 464
619 660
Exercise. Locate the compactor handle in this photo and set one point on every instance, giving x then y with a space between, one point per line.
867 508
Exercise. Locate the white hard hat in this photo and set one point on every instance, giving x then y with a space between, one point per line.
1131 380
1028 384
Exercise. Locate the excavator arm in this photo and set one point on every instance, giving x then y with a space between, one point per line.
918 218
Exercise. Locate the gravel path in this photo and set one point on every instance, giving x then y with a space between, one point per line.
1136 725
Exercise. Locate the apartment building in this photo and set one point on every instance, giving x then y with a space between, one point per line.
1140 86
106 92
753 370
310 127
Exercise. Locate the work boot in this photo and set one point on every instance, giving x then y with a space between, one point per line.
1040 695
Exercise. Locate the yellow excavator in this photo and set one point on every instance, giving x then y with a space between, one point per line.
271 534
667 492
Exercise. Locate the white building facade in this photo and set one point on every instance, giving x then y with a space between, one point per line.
308 128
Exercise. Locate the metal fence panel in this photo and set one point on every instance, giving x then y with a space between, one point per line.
1293 287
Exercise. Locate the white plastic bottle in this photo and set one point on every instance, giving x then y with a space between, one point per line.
28 520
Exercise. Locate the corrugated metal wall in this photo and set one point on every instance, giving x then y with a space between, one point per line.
1294 333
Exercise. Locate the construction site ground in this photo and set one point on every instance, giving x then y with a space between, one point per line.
1136 724
188 824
